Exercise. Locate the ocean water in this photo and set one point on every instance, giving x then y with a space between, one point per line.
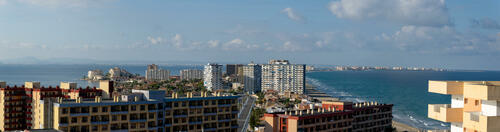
407 90
52 75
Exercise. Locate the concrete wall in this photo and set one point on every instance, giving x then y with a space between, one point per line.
457 101
490 108
456 127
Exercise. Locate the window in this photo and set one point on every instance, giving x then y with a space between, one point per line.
74 120
476 102
132 108
104 109
124 117
84 119
114 118
94 109
143 107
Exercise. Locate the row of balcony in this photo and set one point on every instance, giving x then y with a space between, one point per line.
483 90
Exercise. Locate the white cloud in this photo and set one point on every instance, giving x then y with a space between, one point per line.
213 43
157 40
238 44
288 46
424 39
413 12
177 41
292 14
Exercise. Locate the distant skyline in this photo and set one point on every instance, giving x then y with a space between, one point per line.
458 34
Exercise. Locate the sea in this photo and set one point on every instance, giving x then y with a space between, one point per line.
407 90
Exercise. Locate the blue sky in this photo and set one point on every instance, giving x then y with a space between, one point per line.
459 34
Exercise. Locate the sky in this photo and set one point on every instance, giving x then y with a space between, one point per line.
458 34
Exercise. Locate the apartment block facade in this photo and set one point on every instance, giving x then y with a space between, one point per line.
474 107
155 73
212 77
190 74
19 105
144 111
252 74
333 117
281 76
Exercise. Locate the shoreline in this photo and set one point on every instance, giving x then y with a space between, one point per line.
311 91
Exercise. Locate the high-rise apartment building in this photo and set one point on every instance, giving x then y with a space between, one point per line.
281 76
333 117
475 105
155 73
252 75
20 105
212 77
232 69
190 74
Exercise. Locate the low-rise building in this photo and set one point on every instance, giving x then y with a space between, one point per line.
333 116
144 110
191 74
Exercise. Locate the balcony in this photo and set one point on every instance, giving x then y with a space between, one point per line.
478 121
483 92
444 112
446 87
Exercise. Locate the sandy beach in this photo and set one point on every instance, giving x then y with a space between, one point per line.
400 127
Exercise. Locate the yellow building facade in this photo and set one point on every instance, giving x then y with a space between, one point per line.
142 111
474 105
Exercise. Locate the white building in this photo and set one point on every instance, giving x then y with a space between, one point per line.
95 75
117 72
212 77
155 73
252 78
190 74
281 76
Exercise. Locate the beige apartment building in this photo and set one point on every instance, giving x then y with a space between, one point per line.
474 105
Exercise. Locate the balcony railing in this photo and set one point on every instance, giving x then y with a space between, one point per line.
446 87
444 112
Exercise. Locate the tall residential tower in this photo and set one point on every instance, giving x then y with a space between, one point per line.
252 74
155 73
212 77
281 76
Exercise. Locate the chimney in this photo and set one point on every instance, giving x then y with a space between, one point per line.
136 99
116 99
78 99
3 84
97 99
